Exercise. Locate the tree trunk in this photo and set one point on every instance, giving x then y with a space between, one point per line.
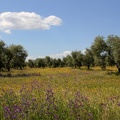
103 67
118 68
8 68
88 67
21 67
8 64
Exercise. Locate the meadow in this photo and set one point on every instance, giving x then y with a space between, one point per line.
60 94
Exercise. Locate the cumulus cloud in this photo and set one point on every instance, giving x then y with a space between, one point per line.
30 57
26 21
83 51
61 55
58 55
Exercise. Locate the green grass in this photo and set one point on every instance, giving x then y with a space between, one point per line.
72 94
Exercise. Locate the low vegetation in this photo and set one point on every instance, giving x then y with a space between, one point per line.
60 94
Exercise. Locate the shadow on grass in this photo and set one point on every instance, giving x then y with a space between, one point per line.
113 73
20 75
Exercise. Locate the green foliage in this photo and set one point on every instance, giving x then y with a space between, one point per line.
101 53
19 56
2 54
12 56
30 63
113 43
68 61
99 48
88 59
77 58
48 61
40 62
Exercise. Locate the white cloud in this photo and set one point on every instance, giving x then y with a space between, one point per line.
60 55
52 20
30 57
26 21
83 51
7 31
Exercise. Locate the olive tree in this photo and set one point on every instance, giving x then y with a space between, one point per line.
30 63
68 61
113 43
2 54
88 59
48 61
19 55
99 51
77 58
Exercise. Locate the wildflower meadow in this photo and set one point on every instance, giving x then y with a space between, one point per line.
60 94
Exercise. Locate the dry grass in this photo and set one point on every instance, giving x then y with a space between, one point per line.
99 86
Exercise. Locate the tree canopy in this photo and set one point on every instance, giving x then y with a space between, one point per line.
103 52
12 56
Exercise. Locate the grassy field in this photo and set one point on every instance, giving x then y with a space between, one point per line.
60 94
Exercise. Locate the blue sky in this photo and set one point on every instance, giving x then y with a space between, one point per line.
67 25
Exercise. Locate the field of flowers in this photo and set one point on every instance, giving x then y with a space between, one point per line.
60 94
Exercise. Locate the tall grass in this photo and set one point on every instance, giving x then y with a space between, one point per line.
60 94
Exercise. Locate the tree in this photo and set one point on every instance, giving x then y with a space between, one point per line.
19 55
48 61
40 63
31 63
55 63
8 58
77 58
64 61
88 59
2 53
99 51
68 61
12 56
59 62
113 43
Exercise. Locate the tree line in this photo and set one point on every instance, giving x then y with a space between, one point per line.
12 56
103 52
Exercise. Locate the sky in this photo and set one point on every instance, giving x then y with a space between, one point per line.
56 27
